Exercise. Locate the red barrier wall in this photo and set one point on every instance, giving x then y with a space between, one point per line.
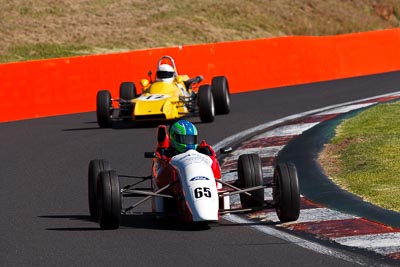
69 85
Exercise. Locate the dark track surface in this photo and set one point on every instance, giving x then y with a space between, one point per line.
43 188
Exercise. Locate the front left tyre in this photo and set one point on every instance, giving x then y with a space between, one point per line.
286 192
109 200
220 91
205 101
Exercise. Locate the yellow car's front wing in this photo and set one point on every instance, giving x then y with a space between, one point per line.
158 106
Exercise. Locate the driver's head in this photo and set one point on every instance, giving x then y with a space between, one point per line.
183 136
165 73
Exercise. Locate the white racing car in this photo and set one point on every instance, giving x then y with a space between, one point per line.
189 185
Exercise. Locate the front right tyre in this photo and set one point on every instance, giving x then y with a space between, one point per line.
109 200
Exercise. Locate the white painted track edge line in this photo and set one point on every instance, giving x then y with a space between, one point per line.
232 138
297 240
280 234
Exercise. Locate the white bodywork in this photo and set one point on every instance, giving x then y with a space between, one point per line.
198 184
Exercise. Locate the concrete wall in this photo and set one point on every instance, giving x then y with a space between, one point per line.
69 85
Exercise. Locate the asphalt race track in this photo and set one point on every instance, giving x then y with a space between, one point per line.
43 188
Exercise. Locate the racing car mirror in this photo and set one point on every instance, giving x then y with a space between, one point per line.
179 79
144 83
225 150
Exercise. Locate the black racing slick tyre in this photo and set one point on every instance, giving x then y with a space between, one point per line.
220 91
95 167
205 101
127 90
250 175
109 200
104 109
286 192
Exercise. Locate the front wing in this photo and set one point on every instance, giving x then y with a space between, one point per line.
147 107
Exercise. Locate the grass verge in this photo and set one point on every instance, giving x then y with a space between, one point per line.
105 26
40 51
364 157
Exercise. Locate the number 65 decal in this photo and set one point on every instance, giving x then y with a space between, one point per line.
200 192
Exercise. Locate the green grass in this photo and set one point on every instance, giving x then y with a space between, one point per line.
27 28
367 148
41 51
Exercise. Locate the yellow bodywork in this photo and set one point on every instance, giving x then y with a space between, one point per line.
160 100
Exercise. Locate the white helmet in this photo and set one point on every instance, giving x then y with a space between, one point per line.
165 73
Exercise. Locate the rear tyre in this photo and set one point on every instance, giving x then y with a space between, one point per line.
109 200
127 90
104 109
286 192
220 91
250 175
206 103
95 167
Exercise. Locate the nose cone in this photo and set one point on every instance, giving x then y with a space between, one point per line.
205 204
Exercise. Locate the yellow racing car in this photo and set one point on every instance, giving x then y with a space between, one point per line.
169 97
